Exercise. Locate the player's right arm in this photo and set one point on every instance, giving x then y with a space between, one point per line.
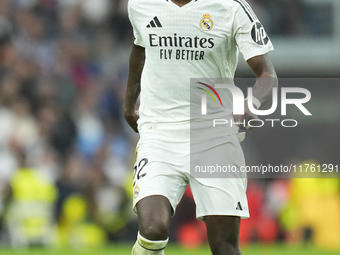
136 64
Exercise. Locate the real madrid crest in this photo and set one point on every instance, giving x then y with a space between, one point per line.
136 191
206 23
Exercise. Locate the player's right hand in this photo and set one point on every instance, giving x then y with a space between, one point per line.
131 118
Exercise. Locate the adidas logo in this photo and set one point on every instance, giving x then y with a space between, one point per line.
239 207
154 23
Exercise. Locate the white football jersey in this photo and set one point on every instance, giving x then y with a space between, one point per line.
198 40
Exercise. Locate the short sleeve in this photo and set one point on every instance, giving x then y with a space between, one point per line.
251 38
133 15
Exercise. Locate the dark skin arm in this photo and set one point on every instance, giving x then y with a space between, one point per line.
137 59
266 80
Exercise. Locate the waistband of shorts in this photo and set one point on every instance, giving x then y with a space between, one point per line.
174 132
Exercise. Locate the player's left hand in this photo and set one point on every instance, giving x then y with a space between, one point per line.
248 115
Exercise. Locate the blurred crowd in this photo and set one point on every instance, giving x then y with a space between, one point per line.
66 153
62 86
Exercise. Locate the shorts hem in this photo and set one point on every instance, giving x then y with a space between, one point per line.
135 201
241 215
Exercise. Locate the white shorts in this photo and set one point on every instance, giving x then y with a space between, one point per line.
163 168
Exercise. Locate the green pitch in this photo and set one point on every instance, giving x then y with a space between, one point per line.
123 249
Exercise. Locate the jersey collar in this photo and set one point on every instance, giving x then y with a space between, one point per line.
184 8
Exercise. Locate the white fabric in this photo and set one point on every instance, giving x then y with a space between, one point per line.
181 49
163 168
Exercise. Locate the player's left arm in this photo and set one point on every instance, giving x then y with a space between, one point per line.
254 44
266 80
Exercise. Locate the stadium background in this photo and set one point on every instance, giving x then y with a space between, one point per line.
66 154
